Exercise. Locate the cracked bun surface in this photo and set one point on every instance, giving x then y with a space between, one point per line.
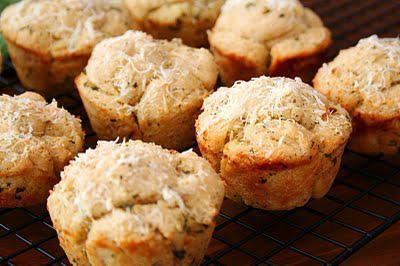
188 20
134 203
141 88
50 41
365 80
36 141
276 142
271 37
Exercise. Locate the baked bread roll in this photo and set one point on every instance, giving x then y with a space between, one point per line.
365 80
275 141
134 203
168 19
278 38
50 41
137 87
36 141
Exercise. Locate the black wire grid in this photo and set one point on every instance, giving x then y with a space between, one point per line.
364 200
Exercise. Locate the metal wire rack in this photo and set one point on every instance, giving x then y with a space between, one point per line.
363 202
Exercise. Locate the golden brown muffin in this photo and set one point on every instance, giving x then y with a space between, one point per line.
51 41
36 141
365 80
168 19
275 141
274 37
135 203
141 88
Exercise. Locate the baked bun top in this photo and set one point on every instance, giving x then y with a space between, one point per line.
62 28
34 134
365 79
272 122
156 191
167 12
143 74
284 29
266 21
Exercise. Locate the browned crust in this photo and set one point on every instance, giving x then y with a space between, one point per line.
247 162
26 186
202 24
307 60
251 163
281 189
11 198
107 124
257 183
361 119
360 125
234 66
382 137
304 65
374 120
192 34
269 190
155 247
8 200
373 133
47 56
144 247
328 172
213 157
43 74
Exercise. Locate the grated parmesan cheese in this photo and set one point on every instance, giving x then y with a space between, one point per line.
365 77
271 112
29 123
65 26
132 175
134 61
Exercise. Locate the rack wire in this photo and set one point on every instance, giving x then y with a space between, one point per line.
363 202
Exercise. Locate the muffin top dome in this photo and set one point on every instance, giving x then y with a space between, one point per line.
269 22
150 189
135 69
272 121
36 134
282 19
171 11
365 79
63 27
287 17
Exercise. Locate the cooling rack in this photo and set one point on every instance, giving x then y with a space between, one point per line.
363 202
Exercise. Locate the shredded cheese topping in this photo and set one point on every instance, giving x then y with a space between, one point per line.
273 112
64 26
27 123
135 63
266 99
365 78
133 176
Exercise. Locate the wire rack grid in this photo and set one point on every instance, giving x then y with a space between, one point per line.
363 202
